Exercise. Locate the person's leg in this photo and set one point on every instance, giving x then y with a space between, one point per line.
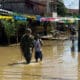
36 56
41 56
36 59
27 57
28 60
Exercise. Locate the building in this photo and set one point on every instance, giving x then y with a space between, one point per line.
73 11
23 6
37 7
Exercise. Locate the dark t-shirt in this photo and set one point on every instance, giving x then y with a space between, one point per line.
73 31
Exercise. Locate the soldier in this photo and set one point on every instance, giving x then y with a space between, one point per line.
26 45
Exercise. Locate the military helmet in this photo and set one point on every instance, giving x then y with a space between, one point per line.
28 30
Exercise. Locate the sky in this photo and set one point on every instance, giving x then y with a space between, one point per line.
72 4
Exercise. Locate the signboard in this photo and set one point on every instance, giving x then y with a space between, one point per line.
54 14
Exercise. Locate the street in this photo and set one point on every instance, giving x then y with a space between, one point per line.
61 61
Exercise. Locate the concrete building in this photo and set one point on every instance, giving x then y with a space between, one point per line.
37 7
23 6
73 11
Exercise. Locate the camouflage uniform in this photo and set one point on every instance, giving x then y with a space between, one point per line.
26 44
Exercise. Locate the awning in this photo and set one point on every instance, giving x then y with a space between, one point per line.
6 17
51 19
20 18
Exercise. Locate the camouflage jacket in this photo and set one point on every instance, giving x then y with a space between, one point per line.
26 42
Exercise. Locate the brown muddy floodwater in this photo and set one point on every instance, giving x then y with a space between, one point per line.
61 61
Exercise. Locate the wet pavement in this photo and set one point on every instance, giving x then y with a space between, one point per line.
61 61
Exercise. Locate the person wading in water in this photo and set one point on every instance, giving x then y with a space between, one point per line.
26 45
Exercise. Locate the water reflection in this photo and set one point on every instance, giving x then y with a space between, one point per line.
12 73
22 72
79 66
73 50
60 62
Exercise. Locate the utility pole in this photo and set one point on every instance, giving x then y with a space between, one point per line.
79 30
47 7
3 4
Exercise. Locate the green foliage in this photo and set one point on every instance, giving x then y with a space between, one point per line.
17 23
9 28
61 9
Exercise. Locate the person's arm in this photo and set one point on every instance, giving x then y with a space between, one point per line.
22 41
41 42
32 44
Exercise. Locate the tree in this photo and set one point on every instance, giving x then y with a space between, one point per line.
61 9
9 29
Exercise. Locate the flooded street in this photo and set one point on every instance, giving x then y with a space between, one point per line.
61 61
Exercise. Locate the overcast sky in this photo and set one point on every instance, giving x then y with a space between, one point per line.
72 4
